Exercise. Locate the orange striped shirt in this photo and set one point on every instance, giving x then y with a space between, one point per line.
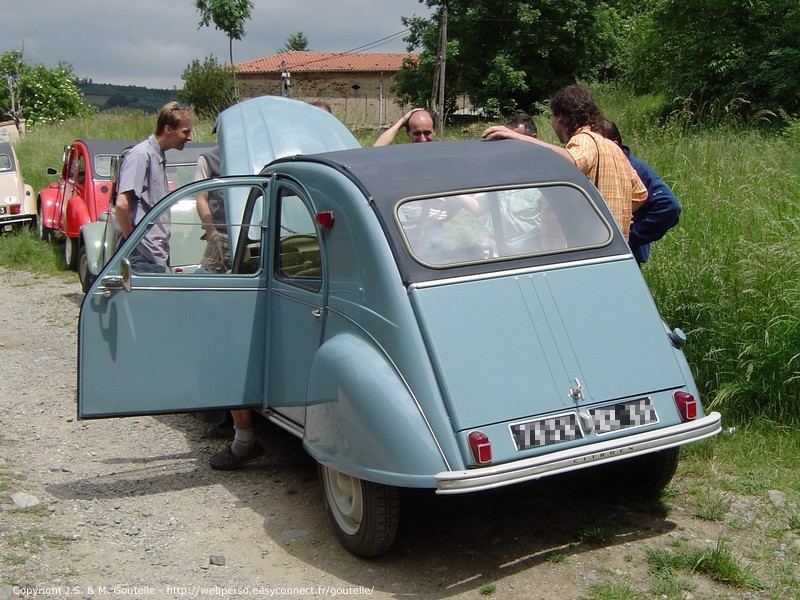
601 160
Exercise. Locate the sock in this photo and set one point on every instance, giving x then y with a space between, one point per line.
243 440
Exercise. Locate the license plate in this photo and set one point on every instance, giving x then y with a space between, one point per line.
543 432
626 415
2 210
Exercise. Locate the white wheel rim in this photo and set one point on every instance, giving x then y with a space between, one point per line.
345 499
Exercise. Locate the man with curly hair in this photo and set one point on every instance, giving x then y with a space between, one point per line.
578 123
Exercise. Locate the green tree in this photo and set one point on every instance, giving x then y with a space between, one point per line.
297 41
228 16
207 86
719 51
38 94
507 55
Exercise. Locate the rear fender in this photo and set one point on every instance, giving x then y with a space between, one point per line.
47 203
99 242
76 217
363 420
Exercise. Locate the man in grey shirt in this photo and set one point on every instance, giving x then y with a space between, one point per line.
143 183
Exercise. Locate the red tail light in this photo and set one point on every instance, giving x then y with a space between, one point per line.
687 405
325 218
15 209
481 447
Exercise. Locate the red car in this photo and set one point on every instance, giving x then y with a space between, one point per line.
81 195
84 189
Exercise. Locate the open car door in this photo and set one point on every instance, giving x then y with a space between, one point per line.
187 339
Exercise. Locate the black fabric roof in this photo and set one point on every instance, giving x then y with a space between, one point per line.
389 174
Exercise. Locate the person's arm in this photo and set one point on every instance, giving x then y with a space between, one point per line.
123 212
203 210
659 213
387 137
499 132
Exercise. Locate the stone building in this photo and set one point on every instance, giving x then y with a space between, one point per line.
357 85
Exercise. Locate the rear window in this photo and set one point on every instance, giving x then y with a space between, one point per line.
5 162
102 166
500 224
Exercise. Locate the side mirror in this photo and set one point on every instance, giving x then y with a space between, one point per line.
125 272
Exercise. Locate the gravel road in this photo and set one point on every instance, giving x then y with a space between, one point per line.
129 507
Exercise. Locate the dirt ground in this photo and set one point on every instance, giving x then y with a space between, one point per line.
130 508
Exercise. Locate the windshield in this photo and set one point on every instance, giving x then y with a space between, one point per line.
500 224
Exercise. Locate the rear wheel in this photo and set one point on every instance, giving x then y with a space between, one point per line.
71 252
42 231
654 471
365 515
84 275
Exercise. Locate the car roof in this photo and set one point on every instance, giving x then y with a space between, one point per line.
390 173
96 147
387 175
190 153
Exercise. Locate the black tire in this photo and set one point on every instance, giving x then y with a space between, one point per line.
70 253
84 275
654 471
44 233
365 515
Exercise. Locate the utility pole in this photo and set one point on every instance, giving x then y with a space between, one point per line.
286 79
437 95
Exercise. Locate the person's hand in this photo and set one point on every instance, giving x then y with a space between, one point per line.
499 132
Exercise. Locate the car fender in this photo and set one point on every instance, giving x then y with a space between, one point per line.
47 205
76 216
362 418
98 243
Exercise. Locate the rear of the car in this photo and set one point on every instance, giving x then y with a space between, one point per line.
548 350
17 205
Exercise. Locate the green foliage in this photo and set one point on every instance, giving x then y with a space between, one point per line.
38 94
227 15
506 56
718 50
107 96
208 86
719 563
297 41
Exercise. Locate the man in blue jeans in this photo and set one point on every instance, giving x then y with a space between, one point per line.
143 183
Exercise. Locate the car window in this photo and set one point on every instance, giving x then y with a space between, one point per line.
500 224
5 162
298 257
102 166
206 249
180 175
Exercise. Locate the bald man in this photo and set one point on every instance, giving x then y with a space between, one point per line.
418 124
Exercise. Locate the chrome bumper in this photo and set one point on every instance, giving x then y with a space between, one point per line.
484 478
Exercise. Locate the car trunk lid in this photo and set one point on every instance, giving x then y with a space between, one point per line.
514 346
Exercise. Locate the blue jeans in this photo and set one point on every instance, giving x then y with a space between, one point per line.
139 264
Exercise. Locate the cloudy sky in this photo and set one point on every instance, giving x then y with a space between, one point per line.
150 42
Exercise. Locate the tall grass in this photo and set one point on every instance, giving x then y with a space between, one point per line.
728 274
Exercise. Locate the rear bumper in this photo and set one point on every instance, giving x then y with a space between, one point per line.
15 219
473 480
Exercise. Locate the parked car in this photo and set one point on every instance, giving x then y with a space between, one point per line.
16 197
84 191
457 316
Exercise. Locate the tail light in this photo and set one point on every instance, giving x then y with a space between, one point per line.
687 405
481 447
15 209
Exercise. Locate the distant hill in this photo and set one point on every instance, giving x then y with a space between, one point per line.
106 96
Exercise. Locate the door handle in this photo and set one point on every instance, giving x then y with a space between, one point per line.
317 313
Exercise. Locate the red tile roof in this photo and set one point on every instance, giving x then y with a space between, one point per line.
297 61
